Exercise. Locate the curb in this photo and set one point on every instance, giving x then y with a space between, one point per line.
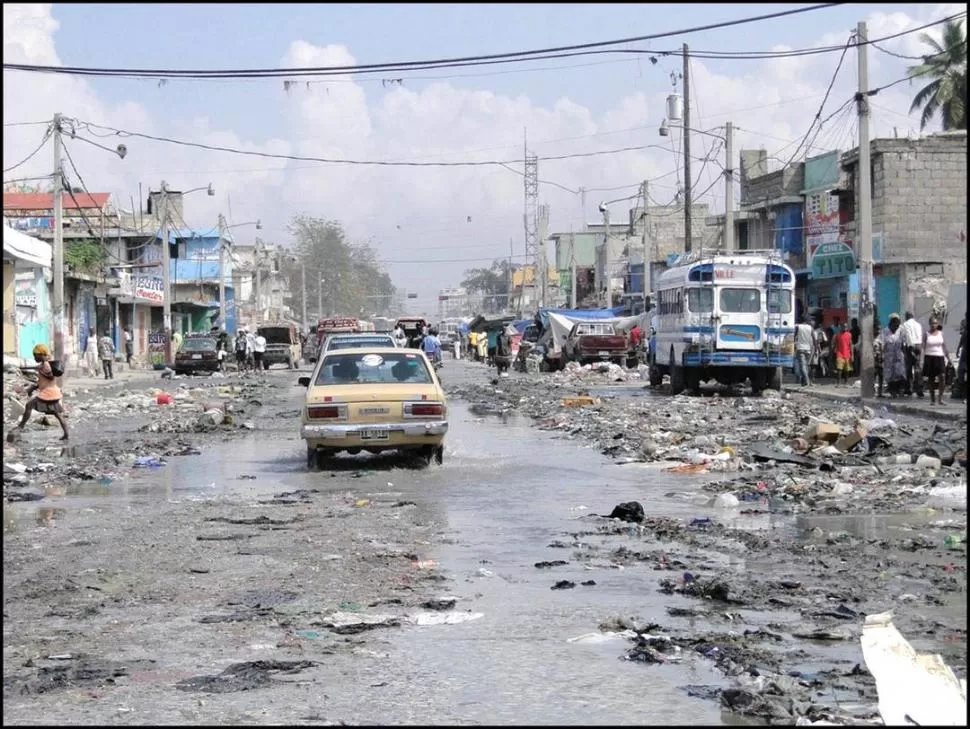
894 407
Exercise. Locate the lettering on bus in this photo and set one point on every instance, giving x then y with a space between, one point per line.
723 273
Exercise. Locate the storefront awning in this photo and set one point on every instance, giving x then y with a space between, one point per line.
26 248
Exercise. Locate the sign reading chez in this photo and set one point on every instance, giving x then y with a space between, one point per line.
149 288
828 256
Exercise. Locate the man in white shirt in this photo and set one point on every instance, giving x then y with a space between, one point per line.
804 347
91 360
259 349
912 334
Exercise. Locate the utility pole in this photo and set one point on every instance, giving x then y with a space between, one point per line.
582 202
319 297
729 189
306 323
608 266
864 225
166 273
58 245
222 273
259 304
508 285
687 195
542 268
647 258
572 266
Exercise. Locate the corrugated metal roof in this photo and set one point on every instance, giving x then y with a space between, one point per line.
45 200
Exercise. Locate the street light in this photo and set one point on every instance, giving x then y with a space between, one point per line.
728 140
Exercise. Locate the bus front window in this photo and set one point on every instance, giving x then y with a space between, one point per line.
779 301
700 301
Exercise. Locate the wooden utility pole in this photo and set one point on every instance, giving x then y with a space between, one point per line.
59 323
864 221
687 195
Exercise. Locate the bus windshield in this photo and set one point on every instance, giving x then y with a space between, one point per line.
779 301
700 301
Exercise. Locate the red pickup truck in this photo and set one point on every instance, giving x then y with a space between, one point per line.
595 342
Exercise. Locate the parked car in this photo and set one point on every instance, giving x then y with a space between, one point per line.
198 353
282 345
373 399
355 341
595 342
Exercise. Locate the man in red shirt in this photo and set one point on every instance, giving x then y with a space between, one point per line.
636 335
843 355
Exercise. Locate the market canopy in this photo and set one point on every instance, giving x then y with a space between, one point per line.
26 248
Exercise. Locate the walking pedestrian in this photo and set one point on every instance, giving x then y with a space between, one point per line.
856 345
893 357
912 336
250 350
46 398
843 356
935 357
240 347
259 349
91 353
106 350
804 349
129 346
877 359
960 384
820 353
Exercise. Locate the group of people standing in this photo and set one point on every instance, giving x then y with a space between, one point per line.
905 356
250 349
99 353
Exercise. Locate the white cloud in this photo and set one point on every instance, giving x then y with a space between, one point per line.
421 213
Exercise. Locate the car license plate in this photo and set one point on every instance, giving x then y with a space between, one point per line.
374 435
604 354
196 356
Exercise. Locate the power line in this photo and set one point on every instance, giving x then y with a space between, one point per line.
40 146
821 107
437 63
924 59
26 124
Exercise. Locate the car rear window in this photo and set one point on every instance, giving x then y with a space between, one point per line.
194 344
367 368
355 342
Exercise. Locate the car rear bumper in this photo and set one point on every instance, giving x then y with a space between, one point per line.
396 431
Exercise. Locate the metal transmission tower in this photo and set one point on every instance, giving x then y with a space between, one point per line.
531 217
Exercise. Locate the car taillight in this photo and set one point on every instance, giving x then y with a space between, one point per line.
424 409
320 412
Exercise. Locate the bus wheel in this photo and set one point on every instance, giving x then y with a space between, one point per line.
676 375
774 382
692 380
759 378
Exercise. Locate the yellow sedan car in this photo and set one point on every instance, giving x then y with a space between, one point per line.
373 399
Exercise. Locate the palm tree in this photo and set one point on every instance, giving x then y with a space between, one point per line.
946 94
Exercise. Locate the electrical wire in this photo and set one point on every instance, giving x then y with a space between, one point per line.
40 146
26 124
924 59
438 63
27 179
821 107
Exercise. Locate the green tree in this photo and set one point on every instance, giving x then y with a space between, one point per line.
946 94
492 283
346 278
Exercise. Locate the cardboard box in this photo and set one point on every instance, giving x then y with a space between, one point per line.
848 442
823 433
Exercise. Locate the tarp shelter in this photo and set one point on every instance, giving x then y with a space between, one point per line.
26 248
561 324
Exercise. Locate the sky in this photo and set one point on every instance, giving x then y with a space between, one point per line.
429 224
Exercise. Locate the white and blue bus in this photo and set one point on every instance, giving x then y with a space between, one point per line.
726 317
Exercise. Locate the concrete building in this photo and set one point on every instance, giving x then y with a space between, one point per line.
807 212
273 284
26 294
452 303
106 254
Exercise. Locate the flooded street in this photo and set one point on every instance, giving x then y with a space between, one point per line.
236 586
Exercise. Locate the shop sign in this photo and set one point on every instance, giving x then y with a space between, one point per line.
149 288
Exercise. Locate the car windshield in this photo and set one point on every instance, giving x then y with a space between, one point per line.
198 344
355 342
386 368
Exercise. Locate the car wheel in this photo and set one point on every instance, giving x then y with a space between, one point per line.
311 458
439 455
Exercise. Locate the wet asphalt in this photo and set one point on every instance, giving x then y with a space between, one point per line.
504 494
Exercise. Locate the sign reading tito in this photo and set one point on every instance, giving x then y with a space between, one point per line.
828 257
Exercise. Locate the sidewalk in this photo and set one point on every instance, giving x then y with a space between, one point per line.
951 411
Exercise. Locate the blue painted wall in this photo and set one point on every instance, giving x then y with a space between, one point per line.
788 228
